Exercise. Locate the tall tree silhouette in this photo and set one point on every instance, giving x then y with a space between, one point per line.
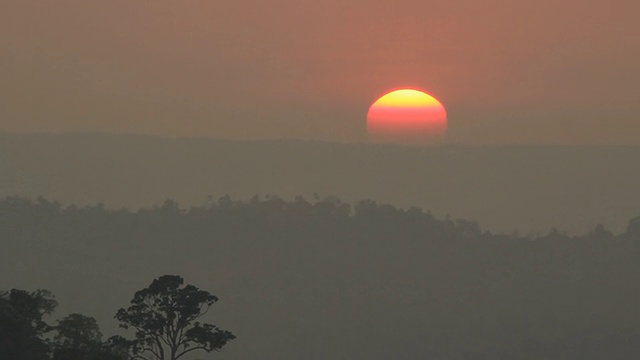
165 317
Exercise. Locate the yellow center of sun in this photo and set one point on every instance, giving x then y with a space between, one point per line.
407 98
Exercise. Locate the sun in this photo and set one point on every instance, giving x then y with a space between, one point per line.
407 116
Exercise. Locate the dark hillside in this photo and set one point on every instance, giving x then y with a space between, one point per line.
324 280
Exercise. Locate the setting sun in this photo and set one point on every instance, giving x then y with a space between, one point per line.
407 115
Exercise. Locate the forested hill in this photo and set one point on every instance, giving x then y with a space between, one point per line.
528 188
320 279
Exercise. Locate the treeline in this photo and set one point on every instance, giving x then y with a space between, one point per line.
165 317
24 333
366 280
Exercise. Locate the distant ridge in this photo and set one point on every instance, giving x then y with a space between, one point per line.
524 187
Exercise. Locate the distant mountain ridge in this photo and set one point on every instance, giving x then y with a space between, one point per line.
529 188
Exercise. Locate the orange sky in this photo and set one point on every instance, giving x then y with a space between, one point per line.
508 71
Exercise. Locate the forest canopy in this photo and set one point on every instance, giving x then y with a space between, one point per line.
296 270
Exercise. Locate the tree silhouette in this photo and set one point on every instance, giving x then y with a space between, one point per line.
165 316
22 326
78 331
78 338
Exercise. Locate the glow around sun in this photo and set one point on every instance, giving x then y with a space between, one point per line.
407 115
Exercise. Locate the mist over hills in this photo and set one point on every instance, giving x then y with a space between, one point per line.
504 188
324 280
317 277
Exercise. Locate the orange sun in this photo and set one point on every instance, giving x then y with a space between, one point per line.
407 115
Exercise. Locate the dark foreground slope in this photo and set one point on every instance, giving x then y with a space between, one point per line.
529 188
300 280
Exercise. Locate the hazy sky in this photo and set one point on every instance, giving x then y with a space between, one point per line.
508 71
